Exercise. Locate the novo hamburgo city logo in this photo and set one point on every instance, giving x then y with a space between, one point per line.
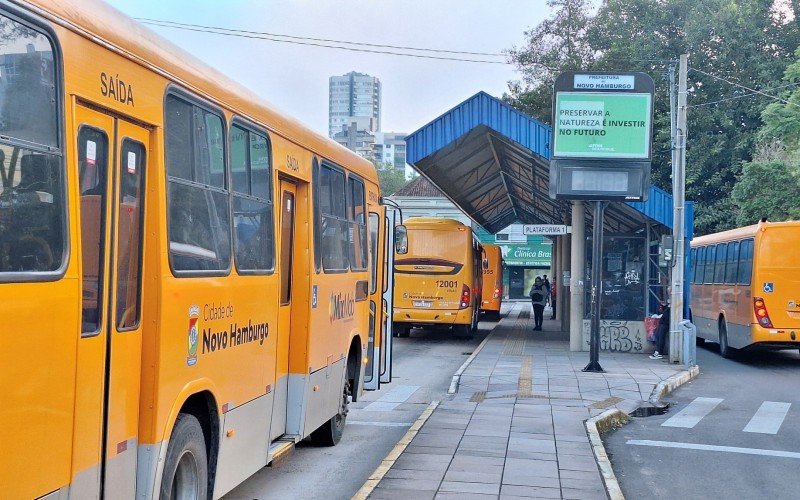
342 306
192 337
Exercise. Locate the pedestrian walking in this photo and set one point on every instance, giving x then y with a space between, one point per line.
553 300
662 334
546 283
538 296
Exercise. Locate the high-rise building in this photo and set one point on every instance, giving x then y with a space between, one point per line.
354 98
390 148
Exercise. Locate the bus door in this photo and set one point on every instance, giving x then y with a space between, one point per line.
378 342
391 219
112 159
287 195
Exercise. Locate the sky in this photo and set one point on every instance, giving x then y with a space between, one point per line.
294 78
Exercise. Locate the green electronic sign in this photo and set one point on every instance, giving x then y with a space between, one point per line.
602 129
602 125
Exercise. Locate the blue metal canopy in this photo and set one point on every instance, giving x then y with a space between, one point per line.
492 161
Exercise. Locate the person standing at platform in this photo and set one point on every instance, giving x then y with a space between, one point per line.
538 295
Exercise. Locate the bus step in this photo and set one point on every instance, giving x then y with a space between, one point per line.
280 449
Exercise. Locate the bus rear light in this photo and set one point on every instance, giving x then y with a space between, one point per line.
762 316
497 292
465 296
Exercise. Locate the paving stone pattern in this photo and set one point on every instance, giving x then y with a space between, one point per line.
515 429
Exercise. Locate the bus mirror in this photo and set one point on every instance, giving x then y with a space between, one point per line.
400 240
486 263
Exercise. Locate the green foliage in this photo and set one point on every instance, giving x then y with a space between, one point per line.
770 189
743 41
390 178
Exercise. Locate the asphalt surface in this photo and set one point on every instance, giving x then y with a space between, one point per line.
423 368
725 444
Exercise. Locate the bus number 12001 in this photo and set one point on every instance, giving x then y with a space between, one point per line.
446 283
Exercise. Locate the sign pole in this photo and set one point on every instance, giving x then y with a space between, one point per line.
678 217
597 288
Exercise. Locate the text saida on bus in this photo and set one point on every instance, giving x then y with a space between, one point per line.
746 287
438 281
199 279
492 287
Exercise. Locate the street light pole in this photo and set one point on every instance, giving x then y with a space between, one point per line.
678 219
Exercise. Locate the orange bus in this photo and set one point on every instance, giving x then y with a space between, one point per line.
492 290
744 287
190 281
438 281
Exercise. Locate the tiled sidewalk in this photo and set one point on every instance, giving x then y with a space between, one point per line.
516 426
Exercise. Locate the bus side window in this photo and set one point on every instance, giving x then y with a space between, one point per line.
732 267
332 223
357 231
197 197
710 258
719 263
745 262
252 201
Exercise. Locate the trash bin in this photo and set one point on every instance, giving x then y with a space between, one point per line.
689 331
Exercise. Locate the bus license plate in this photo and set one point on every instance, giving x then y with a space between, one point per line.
423 303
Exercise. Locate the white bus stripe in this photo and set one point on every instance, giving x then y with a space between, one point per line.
768 418
710 447
393 398
693 413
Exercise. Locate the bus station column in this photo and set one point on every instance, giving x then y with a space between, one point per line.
577 266
555 265
563 292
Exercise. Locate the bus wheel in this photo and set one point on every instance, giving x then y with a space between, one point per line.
186 464
403 331
330 433
473 328
463 331
724 349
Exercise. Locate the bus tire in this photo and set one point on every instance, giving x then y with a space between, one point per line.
403 331
186 463
725 350
463 331
330 433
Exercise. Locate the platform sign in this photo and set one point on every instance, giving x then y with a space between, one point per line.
602 134
544 229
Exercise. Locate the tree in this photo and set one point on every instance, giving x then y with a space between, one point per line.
767 189
391 179
731 45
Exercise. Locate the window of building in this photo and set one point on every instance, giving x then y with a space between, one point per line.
32 202
251 180
333 230
197 197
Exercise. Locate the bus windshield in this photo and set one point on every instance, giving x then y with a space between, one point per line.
437 244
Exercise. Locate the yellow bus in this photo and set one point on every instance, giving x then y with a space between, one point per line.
438 281
189 280
745 287
492 289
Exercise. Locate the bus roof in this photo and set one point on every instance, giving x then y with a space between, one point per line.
741 232
104 24
434 223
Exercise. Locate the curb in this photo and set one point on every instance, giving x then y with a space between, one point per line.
614 418
386 464
457 376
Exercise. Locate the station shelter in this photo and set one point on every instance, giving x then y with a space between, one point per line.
492 162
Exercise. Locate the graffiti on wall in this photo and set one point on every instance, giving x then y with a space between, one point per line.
619 336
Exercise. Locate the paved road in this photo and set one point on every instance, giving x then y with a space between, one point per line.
423 368
732 433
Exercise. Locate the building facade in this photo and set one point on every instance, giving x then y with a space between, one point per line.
390 148
354 98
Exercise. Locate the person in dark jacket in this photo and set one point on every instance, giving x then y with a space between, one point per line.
538 295
662 334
